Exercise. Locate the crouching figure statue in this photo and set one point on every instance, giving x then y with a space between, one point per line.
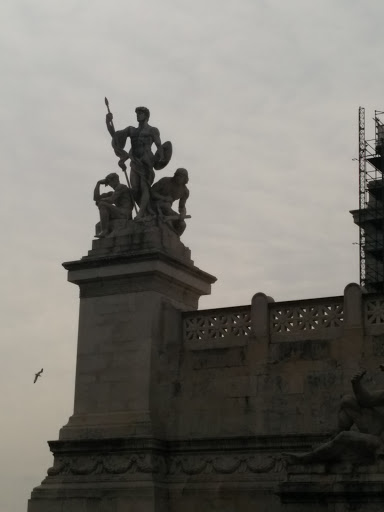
165 192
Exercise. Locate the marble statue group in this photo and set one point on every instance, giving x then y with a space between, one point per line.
150 201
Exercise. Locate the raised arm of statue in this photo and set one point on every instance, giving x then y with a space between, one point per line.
182 202
109 123
96 192
157 141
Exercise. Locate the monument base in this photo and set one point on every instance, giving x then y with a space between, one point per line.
109 475
336 488
128 236
111 455
152 475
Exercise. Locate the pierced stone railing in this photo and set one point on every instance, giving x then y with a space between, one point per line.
311 319
217 324
306 318
374 314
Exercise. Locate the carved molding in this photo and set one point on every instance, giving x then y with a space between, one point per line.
226 464
155 464
106 464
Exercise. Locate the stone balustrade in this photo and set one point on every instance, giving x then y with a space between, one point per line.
322 318
374 314
314 318
216 325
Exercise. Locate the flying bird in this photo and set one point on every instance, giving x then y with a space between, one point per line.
37 375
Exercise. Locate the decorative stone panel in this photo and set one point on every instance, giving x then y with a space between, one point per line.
306 319
217 324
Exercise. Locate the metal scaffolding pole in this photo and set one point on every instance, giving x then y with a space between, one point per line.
362 192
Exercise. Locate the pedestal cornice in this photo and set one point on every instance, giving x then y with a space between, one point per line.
138 270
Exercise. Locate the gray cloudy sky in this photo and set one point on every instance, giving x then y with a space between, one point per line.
259 98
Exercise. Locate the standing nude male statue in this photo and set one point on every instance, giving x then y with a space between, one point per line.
143 161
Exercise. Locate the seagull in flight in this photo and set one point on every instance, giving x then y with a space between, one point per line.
37 375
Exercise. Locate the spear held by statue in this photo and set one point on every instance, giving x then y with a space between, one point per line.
121 153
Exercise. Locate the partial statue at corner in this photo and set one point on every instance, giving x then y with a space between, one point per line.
363 444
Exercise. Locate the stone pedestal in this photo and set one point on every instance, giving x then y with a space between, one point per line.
127 237
339 488
108 458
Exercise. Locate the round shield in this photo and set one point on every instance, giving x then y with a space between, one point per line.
167 149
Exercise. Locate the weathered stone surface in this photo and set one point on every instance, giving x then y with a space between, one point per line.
119 474
204 396
339 488
130 237
121 332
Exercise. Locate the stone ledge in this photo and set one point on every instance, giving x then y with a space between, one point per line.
342 483
336 469
133 257
153 271
275 443
227 342
341 492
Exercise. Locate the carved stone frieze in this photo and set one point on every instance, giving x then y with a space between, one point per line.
158 464
107 464
224 464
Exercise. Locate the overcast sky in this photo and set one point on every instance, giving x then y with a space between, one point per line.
260 101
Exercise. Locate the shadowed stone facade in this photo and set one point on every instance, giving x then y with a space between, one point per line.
180 410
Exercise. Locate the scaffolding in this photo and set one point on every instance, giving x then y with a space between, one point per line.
370 216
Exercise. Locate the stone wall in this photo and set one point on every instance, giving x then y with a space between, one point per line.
224 391
269 368
254 381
